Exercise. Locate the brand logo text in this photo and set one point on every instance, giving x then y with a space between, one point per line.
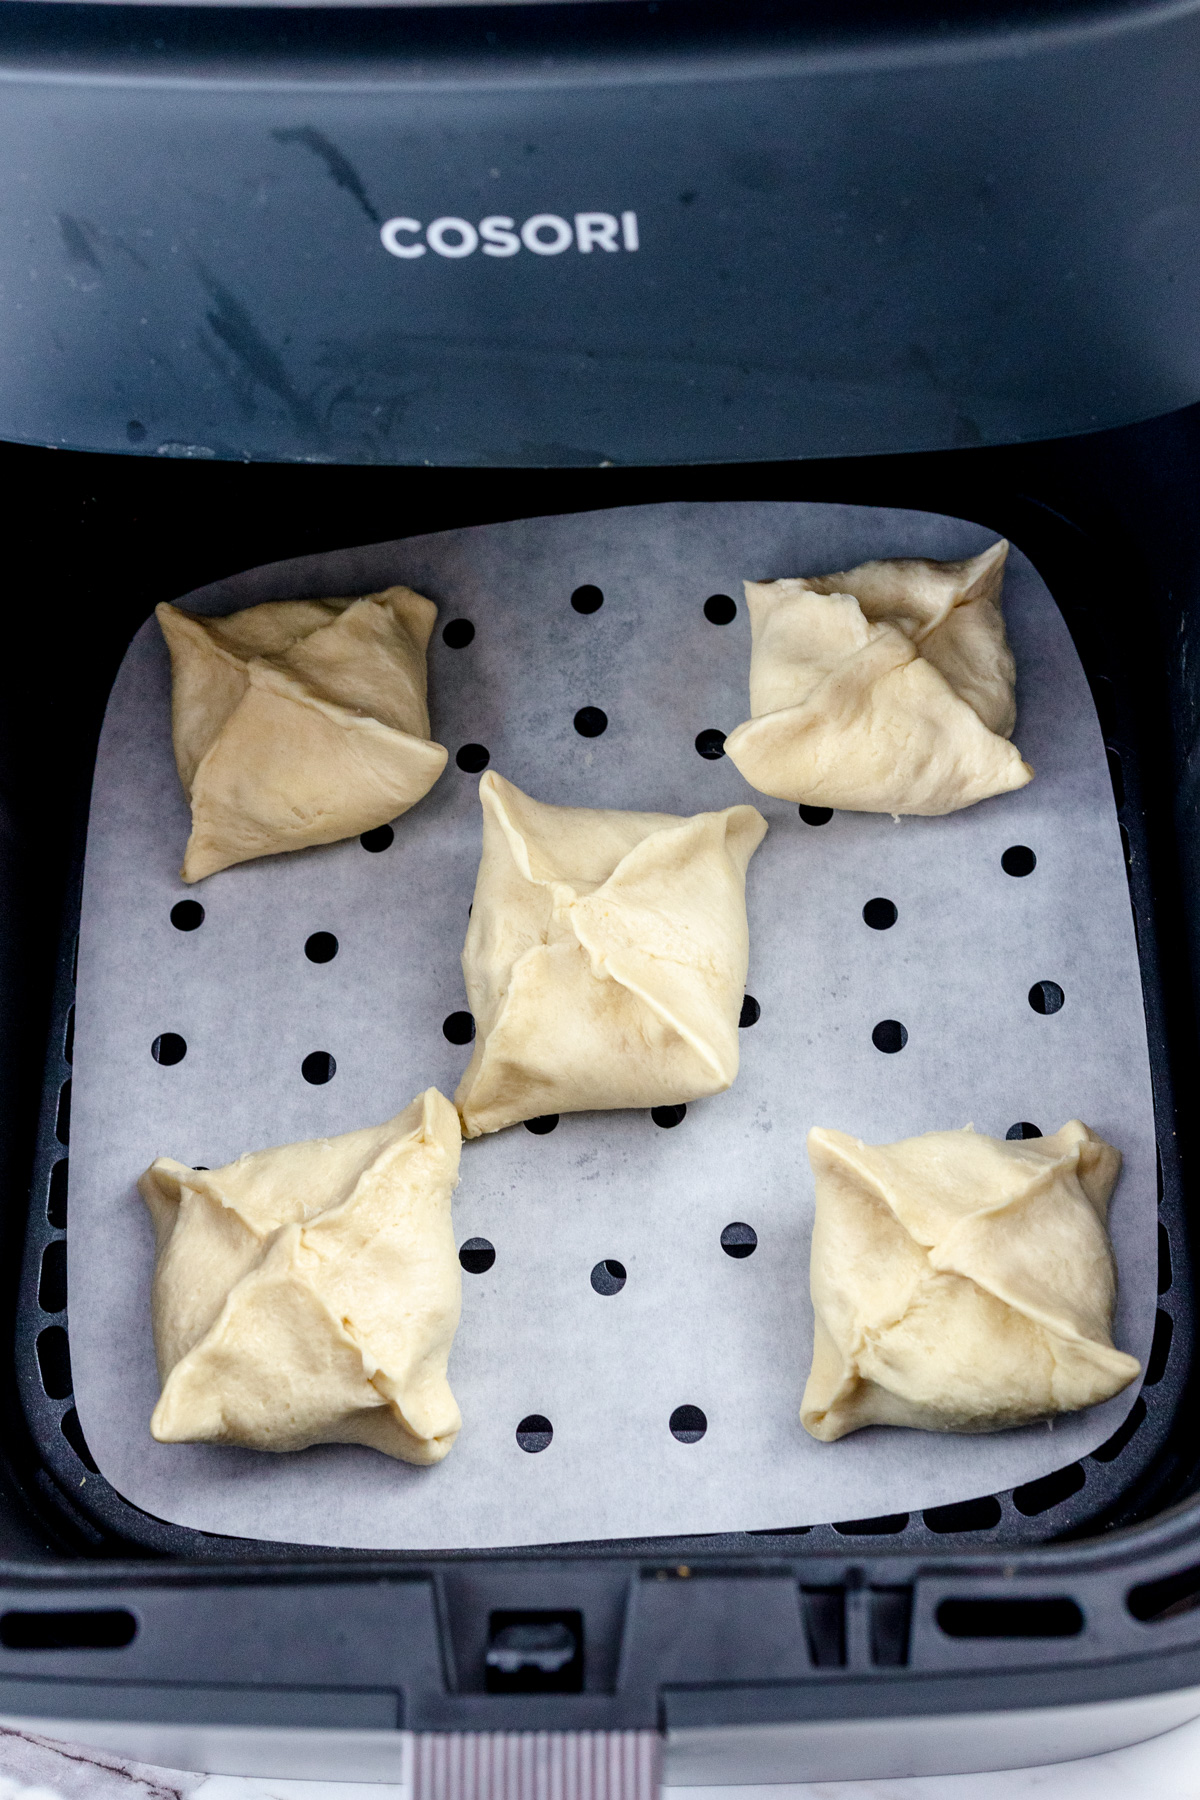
546 234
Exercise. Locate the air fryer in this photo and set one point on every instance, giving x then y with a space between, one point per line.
281 279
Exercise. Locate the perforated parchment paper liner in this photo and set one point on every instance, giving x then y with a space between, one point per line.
692 1325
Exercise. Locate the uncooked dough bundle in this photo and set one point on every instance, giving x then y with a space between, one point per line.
961 1282
299 722
606 957
885 688
310 1294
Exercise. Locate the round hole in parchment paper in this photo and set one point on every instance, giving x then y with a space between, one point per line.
587 599
720 609
318 1067
880 914
1022 1129
534 1433
751 1012
473 758
816 815
590 721
382 838
459 1028
477 1256
711 743
458 634
543 1125
889 1036
739 1240
321 947
187 915
1046 997
609 1276
1018 859
168 1048
688 1424
667 1116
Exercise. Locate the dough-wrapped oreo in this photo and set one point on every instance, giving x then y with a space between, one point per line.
605 959
885 688
299 722
310 1294
961 1282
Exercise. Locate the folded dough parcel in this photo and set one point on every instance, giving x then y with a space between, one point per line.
885 688
310 1294
961 1282
299 723
606 957
691 1327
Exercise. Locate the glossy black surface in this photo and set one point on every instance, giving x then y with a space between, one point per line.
859 228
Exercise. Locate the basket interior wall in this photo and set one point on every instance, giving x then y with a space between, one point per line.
1112 523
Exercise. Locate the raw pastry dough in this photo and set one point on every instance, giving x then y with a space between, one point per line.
961 1282
886 688
310 1294
299 722
605 959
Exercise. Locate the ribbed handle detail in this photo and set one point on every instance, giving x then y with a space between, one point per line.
535 1765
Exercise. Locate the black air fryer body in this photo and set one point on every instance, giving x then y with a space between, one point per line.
858 230
529 259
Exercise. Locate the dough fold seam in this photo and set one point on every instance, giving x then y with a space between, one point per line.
885 688
961 1282
310 1294
298 723
606 957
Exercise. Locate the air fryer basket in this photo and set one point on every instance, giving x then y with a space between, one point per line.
1101 1551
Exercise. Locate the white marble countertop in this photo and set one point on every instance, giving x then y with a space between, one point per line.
1165 1768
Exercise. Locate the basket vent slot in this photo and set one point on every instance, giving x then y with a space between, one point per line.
982 1618
1116 775
62 1124
891 1614
887 1525
964 1515
52 1284
72 1430
1039 1496
1105 696
824 1611
1160 1349
56 1198
111 1629
54 1361
1164 1259
1169 1598
1110 1450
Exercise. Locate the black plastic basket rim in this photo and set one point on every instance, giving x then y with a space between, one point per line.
1120 1483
